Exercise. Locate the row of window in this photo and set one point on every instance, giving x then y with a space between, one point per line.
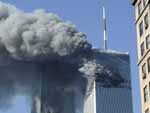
145 67
143 50
143 24
141 5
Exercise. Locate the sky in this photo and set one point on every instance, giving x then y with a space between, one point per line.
87 16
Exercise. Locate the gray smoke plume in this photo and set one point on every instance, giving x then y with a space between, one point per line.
42 44
29 35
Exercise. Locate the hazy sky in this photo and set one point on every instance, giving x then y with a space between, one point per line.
87 16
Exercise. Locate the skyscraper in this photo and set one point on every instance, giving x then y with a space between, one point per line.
142 17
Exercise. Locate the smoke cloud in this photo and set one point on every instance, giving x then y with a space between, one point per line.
39 34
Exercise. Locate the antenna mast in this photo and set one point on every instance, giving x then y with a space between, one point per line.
104 28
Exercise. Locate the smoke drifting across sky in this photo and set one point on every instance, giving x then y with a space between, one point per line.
27 35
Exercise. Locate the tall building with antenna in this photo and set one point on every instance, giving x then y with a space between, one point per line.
142 21
116 95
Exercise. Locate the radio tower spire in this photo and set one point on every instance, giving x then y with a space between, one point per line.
105 29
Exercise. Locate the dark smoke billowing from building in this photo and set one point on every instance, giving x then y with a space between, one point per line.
41 45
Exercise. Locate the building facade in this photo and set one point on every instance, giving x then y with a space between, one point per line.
142 20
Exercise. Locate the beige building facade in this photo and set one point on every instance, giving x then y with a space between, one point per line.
142 21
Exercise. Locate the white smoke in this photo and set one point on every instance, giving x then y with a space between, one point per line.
91 68
29 35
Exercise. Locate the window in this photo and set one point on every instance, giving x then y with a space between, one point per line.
148 64
144 71
146 21
148 42
147 111
139 7
141 28
142 49
145 94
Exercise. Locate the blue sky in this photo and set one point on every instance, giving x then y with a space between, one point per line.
87 16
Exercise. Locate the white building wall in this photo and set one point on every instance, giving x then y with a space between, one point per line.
90 102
